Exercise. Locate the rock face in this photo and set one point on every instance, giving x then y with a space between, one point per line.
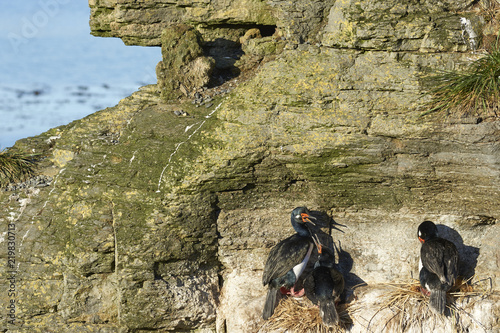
156 222
183 68
141 23
400 26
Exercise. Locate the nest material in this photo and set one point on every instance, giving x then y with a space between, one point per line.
300 315
409 308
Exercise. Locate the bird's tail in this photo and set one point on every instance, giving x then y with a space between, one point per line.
272 299
437 301
328 313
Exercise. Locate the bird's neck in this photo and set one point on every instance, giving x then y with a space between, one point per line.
301 229
428 238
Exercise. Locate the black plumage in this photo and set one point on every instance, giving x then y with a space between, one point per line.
325 285
438 265
287 260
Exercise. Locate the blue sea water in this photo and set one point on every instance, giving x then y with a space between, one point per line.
52 71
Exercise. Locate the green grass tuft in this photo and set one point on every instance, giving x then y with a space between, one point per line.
474 91
15 167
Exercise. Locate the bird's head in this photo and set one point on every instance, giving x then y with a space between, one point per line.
301 217
326 257
426 230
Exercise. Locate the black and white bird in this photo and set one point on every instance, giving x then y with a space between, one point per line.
287 261
325 285
438 265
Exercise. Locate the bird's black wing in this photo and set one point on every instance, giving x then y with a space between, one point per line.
451 262
309 286
338 281
440 257
284 256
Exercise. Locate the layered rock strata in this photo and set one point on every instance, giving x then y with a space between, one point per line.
161 220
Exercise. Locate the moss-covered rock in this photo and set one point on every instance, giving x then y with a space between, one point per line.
183 68
103 241
142 23
156 222
397 26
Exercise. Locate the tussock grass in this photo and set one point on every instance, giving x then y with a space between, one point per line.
15 167
409 308
301 315
474 91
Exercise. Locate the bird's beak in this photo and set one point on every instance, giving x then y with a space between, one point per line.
306 218
421 240
318 244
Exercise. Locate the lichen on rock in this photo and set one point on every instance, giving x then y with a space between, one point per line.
183 68
159 222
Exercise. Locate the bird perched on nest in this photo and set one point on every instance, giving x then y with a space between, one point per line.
325 285
438 265
287 261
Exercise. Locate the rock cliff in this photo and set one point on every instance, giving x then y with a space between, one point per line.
160 211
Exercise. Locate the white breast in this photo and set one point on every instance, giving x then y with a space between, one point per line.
298 269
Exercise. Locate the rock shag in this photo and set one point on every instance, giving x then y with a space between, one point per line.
325 285
287 261
438 265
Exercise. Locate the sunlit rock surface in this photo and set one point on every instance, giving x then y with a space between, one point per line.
161 220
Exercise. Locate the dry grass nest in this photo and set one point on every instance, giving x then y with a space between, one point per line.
301 315
409 308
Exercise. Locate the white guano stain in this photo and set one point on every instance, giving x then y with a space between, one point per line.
177 146
467 29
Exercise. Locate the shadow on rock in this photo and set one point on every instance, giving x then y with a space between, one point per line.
225 53
323 220
467 254
344 265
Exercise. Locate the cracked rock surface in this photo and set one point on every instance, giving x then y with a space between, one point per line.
146 218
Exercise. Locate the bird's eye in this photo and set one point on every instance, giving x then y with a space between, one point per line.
419 234
297 216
